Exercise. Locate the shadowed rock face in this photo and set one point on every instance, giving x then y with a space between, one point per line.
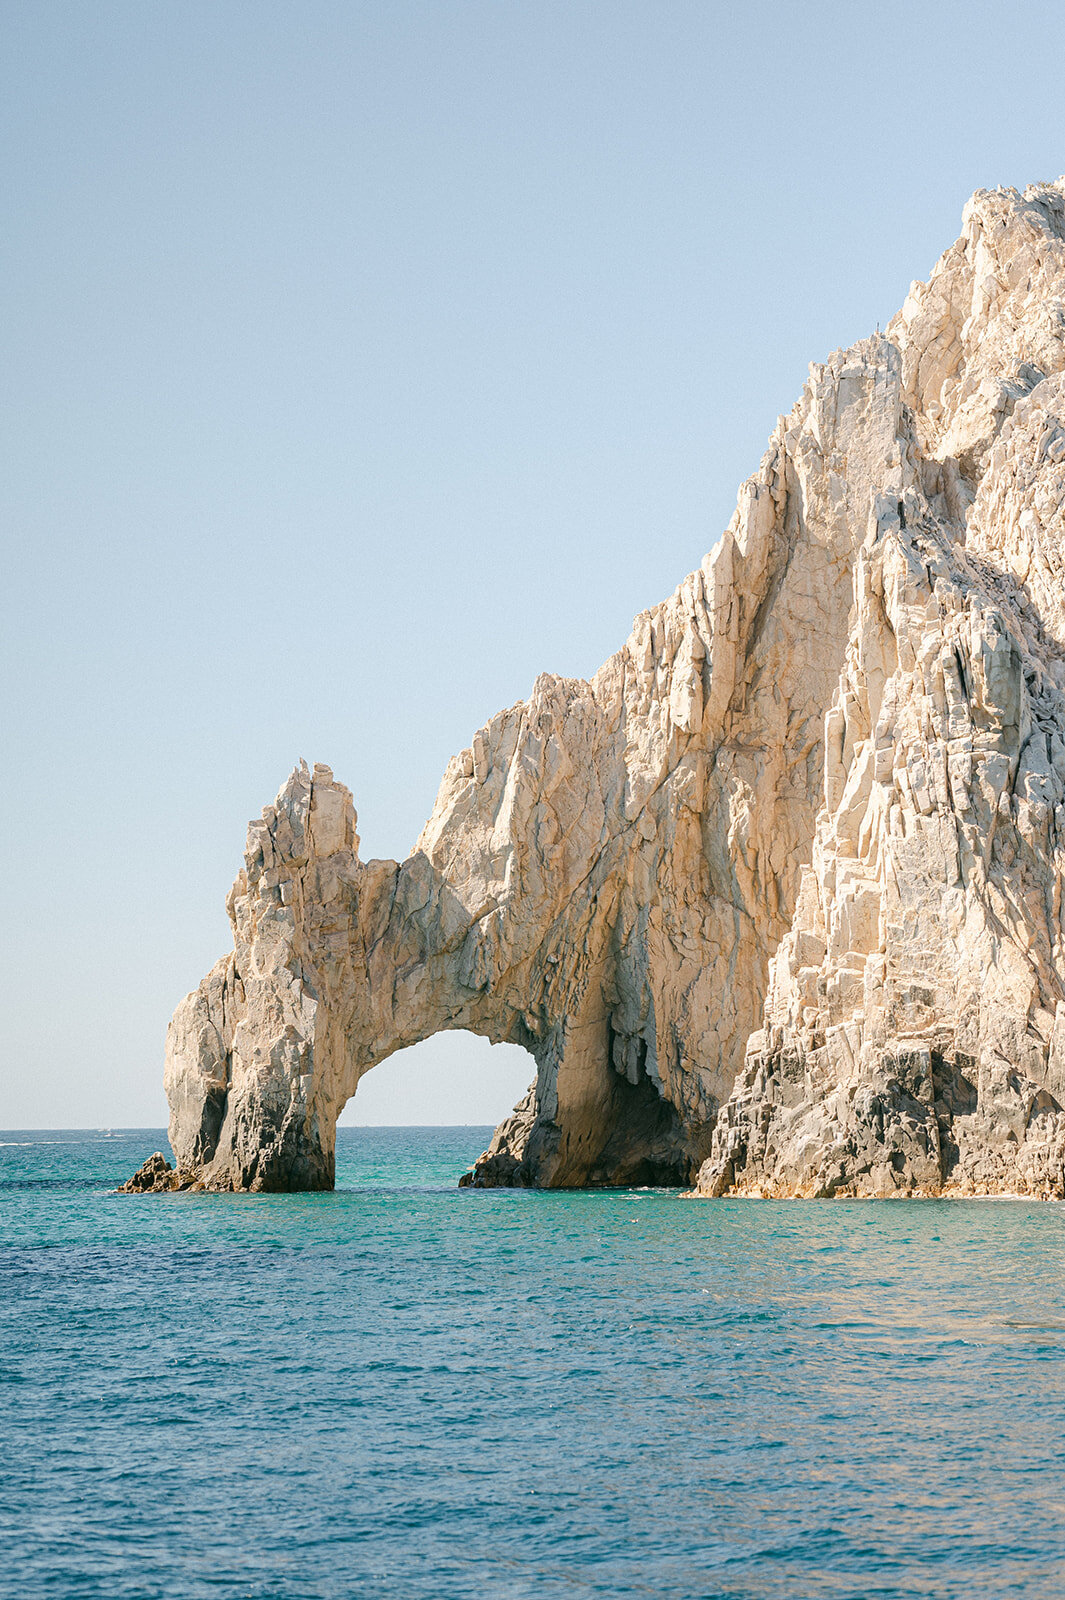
774 900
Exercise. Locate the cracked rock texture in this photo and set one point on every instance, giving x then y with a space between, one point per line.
775 900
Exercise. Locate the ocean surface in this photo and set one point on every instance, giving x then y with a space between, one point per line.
404 1389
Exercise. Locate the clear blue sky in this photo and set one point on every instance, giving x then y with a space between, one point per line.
362 360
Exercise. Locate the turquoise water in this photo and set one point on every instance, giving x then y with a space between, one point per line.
404 1389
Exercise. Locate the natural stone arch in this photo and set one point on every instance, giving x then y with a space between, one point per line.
604 877
610 867
337 966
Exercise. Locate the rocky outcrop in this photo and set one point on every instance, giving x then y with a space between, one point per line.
154 1176
774 900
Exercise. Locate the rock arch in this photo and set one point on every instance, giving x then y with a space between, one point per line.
840 744
604 877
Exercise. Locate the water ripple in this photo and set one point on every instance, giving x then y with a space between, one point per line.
404 1389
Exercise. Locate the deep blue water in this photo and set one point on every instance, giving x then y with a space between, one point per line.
404 1389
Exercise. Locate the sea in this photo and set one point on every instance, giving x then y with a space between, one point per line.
408 1390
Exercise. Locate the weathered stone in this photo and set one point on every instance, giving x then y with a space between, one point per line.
911 1040
776 897
155 1176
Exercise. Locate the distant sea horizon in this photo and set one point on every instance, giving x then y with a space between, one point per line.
147 1127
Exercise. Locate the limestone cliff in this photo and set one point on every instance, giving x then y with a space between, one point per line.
775 899
914 1031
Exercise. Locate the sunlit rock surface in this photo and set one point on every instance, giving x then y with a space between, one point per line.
774 901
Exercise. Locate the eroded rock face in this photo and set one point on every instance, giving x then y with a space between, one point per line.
914 1031
783 950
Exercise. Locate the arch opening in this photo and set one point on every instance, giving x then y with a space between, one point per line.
453 1078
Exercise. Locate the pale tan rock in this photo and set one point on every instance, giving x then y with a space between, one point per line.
914 1025
612 867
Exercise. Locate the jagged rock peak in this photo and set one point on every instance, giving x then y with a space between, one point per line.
774 901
